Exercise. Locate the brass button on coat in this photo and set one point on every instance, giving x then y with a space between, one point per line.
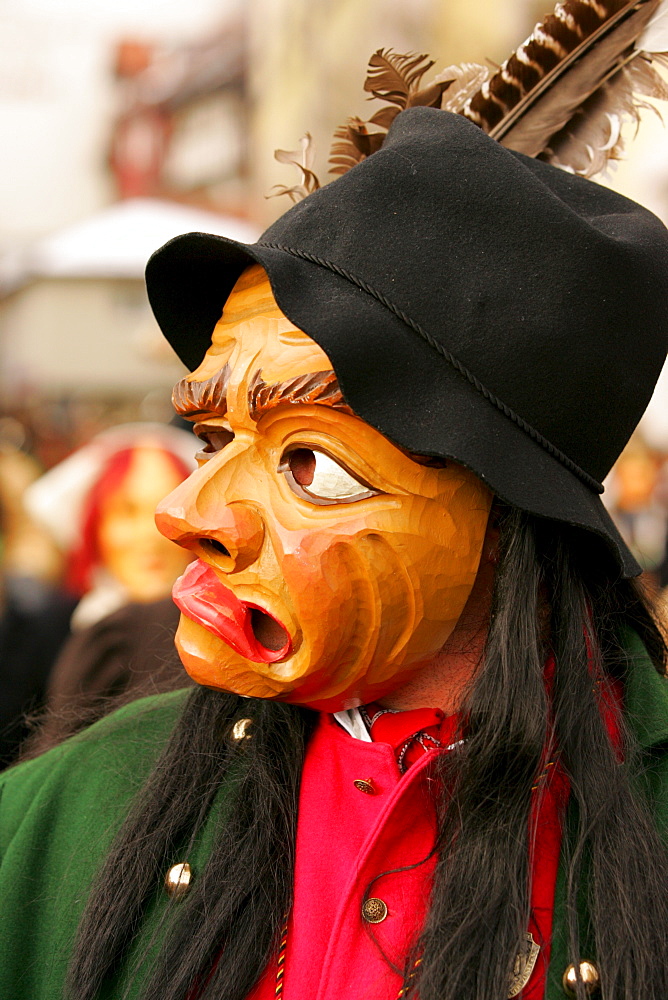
374 910
177 879
589 975
365 785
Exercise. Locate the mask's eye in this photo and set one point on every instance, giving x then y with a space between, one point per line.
214 438
315 476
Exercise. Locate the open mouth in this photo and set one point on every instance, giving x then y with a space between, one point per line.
269 633
247 628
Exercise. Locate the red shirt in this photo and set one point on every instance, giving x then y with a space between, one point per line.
346 839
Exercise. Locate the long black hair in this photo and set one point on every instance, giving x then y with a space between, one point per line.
555 594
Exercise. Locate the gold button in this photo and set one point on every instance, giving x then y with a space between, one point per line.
374 910
177 879
365 785
240 729
589 975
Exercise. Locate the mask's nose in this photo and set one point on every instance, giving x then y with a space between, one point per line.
230 537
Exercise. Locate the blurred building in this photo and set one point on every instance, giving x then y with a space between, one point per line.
183 122
58 99
78 348
74 317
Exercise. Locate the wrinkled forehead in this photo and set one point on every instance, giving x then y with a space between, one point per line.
252 326
251 296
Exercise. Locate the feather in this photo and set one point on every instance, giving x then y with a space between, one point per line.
302 159
392 77
565 93
592 138
465 80
655 36
354 143
563 96
395 79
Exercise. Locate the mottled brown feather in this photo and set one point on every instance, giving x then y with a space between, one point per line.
395 78
548 81
561 96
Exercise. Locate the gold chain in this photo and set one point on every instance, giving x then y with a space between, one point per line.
280 967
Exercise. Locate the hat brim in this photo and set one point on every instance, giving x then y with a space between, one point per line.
189 280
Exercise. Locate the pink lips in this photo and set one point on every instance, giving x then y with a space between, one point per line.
201 596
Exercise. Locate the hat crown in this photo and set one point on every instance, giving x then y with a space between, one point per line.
551 290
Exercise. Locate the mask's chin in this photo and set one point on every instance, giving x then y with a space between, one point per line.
226 671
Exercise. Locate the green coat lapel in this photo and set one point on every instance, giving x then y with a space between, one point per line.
148 942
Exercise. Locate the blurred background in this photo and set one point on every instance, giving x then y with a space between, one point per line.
125 123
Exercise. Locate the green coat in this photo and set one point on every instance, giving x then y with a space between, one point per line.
60 812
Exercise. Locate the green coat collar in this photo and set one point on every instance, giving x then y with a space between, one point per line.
645 696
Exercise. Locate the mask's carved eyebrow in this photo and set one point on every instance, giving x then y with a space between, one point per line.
321 388
191 399
194 399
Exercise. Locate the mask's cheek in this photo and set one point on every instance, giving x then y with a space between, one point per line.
375 607
354 603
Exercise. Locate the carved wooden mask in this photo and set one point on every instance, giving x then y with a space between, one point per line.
331 565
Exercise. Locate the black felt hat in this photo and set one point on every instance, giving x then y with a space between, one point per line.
476 304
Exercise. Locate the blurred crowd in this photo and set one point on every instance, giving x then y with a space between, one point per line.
637 497
86 617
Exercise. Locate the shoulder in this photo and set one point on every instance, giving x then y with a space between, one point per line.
646 695
103 765
59 815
